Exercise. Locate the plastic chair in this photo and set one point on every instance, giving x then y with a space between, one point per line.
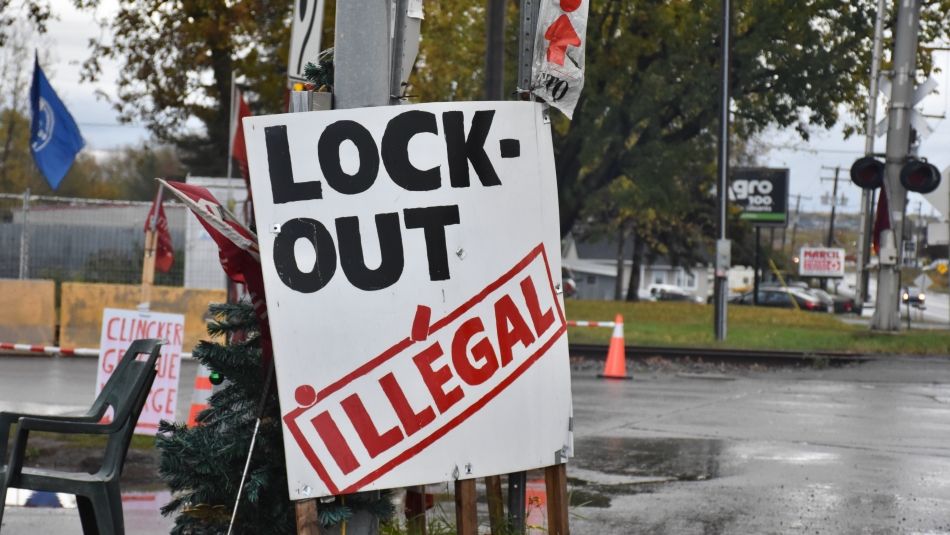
97 494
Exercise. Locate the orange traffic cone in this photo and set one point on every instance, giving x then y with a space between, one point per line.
616 365
200 395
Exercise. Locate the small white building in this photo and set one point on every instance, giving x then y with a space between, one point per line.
594 266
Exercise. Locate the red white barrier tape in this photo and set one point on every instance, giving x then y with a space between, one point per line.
53 350
610 324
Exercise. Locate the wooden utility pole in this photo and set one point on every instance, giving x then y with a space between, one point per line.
830 241
148 261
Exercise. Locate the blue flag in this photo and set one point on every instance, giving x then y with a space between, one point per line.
54 136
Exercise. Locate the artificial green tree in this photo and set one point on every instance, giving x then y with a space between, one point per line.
202 465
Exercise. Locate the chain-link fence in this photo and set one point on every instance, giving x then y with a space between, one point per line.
93 240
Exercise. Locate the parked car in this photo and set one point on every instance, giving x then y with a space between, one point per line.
568 282
845 305
782 297
913 296
839 304
825 297
670 292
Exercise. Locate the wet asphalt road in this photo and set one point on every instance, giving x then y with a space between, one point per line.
855 450
702 450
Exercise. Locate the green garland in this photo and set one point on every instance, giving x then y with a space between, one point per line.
321 74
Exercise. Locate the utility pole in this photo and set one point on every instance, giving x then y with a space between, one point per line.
798 211
495 50
867 196
722 244
886 313
834 203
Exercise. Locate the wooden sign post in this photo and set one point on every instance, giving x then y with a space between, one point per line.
151 243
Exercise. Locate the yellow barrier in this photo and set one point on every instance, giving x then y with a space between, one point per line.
28 314
82 304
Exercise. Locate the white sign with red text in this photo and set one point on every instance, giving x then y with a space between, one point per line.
119 329
557 74
821 262
411 259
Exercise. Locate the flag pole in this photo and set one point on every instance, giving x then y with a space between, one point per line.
232 129
148 262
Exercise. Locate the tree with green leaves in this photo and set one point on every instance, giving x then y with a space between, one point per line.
653 75
177 61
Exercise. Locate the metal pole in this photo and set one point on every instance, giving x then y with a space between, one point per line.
721 195
834 203
231 131
495 50
757 262
527 30
886 316
398 45
867 196
516 501
25 236
361 54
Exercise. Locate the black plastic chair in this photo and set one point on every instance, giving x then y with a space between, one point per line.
97 494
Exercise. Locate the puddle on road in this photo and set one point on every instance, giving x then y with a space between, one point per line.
610 466
682 459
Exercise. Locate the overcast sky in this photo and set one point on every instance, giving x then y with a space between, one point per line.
68 37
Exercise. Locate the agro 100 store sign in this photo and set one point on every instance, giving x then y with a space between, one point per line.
412 269
761 194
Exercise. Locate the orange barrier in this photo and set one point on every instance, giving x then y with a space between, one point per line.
200 395
82 304
616 365
28 314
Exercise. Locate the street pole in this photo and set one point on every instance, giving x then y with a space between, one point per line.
886 312
25 236
830 241
721 284
757 262
361 54
495 50
527 30
867 196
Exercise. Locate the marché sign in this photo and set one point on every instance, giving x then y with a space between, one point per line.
412 269
762 195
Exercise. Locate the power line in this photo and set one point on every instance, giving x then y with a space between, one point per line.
111 125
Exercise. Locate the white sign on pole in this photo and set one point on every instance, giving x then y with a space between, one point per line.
821 262
938 233
122 327
557 75
305 34
411 262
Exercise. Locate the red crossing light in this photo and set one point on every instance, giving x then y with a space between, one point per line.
867 173
920 176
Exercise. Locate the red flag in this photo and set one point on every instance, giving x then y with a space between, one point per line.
238 148
882 221
164 254
237 249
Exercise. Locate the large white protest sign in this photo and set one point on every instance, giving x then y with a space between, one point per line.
557 74
122 327
411 259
